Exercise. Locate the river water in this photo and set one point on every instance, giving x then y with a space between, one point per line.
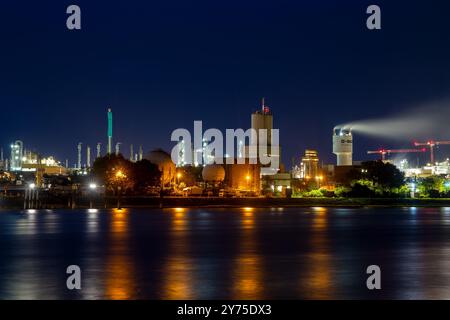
242 253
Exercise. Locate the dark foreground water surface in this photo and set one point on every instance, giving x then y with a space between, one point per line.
294 253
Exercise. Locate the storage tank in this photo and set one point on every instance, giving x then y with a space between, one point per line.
213 173
165 164
343 146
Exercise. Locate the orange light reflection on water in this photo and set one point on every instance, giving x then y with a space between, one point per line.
319 273
119 283
247 271
178 267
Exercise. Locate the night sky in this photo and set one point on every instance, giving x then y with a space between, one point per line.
160 65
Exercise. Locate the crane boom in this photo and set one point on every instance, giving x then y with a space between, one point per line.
384 152
431 144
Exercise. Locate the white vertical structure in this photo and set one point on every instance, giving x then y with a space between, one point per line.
263 119
118 148
343 146
110 130
131 153
79 155
98 150
141 153
88 156
16 156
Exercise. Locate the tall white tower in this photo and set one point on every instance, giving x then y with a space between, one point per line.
98 150
343 146
88 156
79 155
118 148
110 130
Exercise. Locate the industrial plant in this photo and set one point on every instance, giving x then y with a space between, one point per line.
308 176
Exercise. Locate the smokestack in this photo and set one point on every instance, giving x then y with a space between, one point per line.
118 148
131 152
141 153
110 131
88 156
98 149
79 155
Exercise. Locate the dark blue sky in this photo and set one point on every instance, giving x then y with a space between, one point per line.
163 64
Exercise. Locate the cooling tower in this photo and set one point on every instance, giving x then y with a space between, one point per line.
343 146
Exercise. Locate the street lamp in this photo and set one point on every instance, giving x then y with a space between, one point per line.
120 176
92 187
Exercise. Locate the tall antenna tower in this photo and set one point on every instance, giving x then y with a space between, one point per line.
110 131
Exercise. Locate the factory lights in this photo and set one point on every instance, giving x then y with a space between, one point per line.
209 147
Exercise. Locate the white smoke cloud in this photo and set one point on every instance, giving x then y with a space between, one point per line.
428 121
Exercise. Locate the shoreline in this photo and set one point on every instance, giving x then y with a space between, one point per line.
216 202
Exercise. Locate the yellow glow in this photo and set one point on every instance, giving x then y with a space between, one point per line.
247 271
119 281
247 177
119 212
179 175
178 279
120 174
248 209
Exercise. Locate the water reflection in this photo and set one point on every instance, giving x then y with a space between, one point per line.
318 279
247 268
119 275
246 253
178 267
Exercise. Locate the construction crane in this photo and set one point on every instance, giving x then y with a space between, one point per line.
384 152
431 144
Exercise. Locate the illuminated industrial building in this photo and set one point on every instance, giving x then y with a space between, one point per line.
309 166
243 177
15 162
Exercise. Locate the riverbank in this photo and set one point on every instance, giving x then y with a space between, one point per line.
170 202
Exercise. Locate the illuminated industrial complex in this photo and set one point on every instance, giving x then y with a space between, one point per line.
24 166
